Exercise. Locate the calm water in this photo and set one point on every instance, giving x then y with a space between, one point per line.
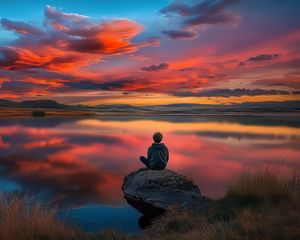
80 162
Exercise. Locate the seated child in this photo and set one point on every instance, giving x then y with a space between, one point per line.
158 154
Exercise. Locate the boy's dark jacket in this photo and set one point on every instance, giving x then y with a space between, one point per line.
158 155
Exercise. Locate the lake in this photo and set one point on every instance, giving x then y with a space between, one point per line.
79 163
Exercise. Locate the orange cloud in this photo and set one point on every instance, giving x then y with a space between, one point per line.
43 81
74 41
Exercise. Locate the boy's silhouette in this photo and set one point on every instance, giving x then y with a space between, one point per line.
157 155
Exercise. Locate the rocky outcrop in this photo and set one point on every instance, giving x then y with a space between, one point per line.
152 192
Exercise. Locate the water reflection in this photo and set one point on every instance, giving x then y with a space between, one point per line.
82 162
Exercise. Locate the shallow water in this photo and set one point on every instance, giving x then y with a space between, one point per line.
80 162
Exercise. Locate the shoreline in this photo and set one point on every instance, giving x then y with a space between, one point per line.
49 112
54 112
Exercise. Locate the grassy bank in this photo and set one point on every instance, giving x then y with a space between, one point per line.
257 206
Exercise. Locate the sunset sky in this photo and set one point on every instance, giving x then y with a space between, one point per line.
150 52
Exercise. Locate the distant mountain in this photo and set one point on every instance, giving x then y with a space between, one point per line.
33 104
259 107
209 108
7 103
293 105
118 107
42 104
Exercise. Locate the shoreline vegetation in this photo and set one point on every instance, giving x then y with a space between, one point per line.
48 112
30 112
51 108
258 205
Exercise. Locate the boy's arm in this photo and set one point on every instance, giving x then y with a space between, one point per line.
149 153
167 154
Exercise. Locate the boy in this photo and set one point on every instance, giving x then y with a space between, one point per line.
158 154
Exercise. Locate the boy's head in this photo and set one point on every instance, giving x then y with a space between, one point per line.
157 137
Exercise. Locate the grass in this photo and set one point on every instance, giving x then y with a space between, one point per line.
257 206
24 218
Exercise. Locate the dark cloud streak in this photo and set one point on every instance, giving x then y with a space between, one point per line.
20 27
263 57
260 58
237 92
201 14
156 68
179 34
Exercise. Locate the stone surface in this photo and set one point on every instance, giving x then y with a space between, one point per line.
152 192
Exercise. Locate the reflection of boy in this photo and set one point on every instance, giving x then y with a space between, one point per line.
158 154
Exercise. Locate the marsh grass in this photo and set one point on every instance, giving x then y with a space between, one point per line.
259 187
21 217
258 205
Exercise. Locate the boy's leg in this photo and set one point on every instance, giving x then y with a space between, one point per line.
145 161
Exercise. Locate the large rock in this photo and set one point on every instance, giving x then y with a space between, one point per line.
152 192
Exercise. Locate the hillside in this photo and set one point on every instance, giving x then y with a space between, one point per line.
251 107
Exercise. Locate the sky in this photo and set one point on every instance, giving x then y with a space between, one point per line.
156 52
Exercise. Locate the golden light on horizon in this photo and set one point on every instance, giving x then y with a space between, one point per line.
163 99
149 125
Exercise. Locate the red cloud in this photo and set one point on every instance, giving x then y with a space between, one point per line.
43 81
2 81
111 37
69 41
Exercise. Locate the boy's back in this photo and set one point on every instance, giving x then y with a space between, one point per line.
158 155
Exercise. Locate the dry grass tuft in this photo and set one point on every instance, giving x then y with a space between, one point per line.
258 187
23 218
